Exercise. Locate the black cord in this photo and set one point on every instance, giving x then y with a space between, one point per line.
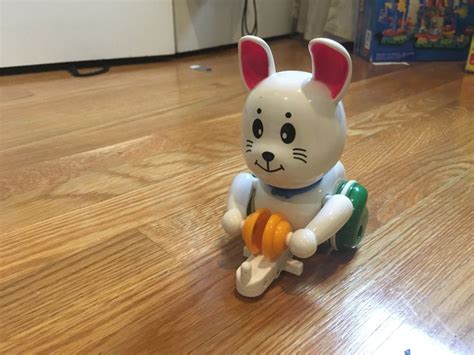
255 30
244 18
74 71
243 25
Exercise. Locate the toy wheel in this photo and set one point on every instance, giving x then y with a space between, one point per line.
351 234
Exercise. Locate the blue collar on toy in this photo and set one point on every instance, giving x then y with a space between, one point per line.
289 193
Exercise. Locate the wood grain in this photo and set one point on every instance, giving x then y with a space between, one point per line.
112 189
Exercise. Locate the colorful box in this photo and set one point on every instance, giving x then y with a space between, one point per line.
412 30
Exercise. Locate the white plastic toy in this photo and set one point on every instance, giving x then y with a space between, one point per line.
293 134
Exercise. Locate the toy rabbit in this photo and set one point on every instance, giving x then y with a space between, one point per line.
293 132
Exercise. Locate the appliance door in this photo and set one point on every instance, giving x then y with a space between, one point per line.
53 31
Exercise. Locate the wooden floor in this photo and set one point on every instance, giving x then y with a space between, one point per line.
113 187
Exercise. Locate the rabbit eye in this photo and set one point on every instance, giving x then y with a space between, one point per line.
257 128
287 133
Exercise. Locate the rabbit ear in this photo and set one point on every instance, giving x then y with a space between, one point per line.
332 65
256 60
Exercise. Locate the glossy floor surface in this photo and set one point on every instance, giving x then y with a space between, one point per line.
113 187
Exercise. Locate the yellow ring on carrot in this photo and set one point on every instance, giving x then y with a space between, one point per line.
279 237
268 233
253 229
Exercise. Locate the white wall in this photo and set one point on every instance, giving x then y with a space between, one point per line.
52 31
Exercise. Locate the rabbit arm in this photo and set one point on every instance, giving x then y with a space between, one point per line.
239 198
334 214
241 192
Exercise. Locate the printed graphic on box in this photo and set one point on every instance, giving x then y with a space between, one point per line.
418 29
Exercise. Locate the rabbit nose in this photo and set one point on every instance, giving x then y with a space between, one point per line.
268 156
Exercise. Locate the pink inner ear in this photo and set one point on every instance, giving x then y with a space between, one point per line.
330 67
254 61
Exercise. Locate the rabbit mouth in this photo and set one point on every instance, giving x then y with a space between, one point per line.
267 169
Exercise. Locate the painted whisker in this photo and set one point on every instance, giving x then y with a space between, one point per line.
304 161
300 154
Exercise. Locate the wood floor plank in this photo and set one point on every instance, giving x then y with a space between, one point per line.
60 236
185 147
98 286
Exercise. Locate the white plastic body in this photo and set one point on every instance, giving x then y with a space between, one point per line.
318 210
319 122
257 273
302 208
293 132
335 213
240 192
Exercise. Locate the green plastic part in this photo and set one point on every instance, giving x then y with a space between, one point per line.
350 235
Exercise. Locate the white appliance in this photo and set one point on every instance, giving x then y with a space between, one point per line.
54 31
209 23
